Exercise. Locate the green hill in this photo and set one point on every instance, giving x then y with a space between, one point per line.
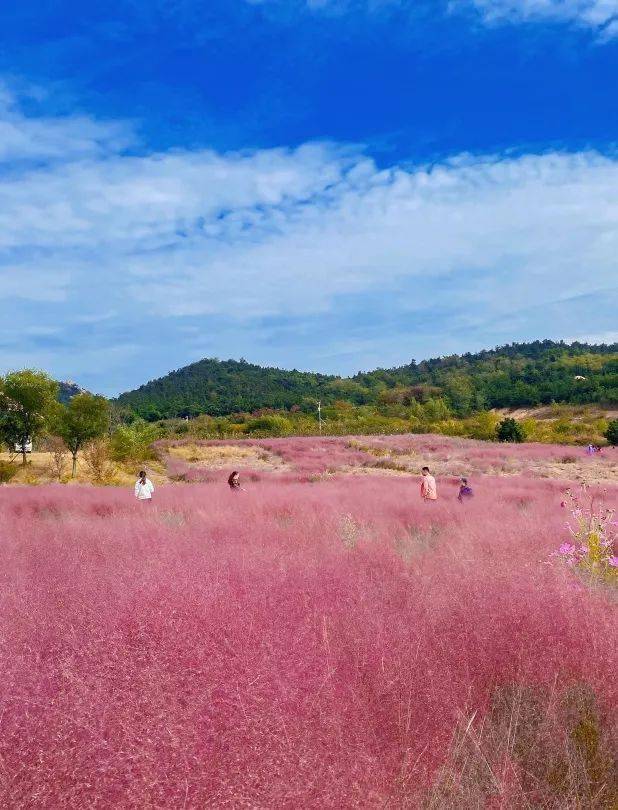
222 387
517 375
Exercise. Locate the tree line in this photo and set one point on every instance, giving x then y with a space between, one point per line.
29 407
63 419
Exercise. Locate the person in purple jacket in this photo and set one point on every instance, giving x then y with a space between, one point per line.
465 491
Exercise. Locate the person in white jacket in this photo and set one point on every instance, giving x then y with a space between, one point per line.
143 487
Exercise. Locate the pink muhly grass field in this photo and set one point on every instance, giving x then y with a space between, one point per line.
318 645
312 455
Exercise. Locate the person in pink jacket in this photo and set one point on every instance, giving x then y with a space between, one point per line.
429 490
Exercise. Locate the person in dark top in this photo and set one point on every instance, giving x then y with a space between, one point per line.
465 491
234 481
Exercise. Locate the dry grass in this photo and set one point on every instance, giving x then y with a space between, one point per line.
41 470
219 457
575 412
571 468
450 458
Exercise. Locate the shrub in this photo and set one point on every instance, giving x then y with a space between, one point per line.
592 550
132 443
388 464
58 452
510 430
271 425
7 472
483 425
97 460
611 434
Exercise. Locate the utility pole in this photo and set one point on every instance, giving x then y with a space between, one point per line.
320 415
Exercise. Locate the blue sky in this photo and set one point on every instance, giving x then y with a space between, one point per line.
331 185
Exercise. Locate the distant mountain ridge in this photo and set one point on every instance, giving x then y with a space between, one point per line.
67 390
516 375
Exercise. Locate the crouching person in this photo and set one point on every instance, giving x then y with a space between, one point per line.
465 491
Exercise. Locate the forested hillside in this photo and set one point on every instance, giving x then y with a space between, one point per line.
222 387
518 375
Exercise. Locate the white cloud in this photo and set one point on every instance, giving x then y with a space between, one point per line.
609 338
24 280
529 226
302 233
29 138
146 201
599 14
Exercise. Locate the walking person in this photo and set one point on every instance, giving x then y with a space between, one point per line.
144 488
429 490
465 491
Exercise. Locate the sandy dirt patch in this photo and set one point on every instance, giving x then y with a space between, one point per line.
599 471
218 457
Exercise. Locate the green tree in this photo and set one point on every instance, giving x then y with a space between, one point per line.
132 442
435 410
460 393
611 434
9 428
27 399
85 418
483 425
510 430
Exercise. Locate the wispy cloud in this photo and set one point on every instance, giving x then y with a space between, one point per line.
164 256
597 14
600 15
34 138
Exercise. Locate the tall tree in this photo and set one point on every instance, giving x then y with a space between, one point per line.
26 401
85 418
611 434
510 430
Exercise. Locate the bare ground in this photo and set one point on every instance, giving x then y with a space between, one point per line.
217 457
600 470
39 470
